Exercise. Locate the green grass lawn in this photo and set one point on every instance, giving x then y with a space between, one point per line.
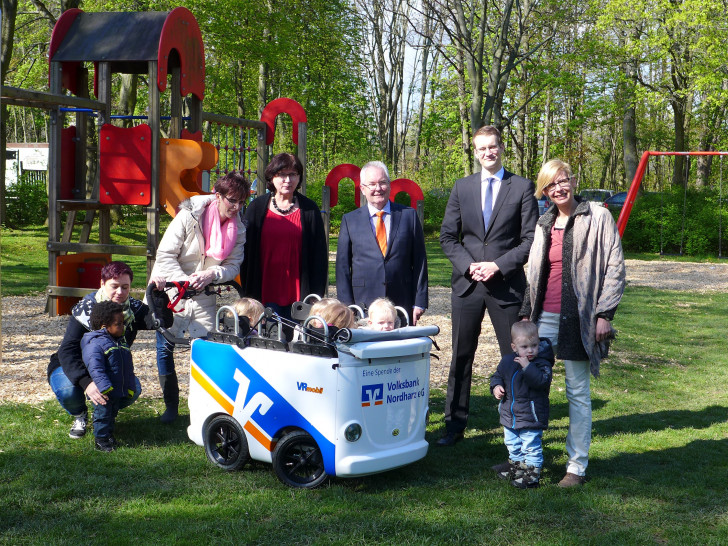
24 260
658 465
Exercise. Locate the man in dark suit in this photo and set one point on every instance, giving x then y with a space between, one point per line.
381 249
486 233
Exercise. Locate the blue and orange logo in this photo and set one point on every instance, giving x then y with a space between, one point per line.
372 395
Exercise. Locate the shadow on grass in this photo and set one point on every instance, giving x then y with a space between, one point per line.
661 420
150 432
698 464
23 279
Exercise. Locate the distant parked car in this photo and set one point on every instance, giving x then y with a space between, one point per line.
596 195
616 201
543 205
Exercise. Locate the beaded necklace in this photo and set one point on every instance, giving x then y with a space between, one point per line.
282 211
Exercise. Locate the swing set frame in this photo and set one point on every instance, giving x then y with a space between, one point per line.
637 183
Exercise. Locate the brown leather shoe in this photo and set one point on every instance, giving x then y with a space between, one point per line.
572 480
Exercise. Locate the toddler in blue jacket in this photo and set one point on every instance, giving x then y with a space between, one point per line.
522 383
108 359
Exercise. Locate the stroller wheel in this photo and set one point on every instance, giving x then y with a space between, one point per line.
225 443
298 462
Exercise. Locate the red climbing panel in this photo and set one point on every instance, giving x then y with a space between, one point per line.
337 174
81 270
125 165
280 106
410 188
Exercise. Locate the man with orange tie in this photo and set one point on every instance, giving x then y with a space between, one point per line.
381 250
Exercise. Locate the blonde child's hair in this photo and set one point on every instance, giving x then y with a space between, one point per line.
334 313
249 307
383 305
524 329
321 304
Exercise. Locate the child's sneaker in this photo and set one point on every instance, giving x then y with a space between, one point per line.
78 428
105 444
505 470
527 477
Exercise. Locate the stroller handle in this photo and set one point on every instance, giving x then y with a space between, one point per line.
210 289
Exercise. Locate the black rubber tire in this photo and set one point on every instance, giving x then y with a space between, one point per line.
298 462
225 443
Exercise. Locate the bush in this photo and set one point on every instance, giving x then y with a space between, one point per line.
656 223
26 201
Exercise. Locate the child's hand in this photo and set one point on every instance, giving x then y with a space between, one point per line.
522 360
498 392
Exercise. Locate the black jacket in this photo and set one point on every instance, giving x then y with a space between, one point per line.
314 254
507 241
526 402
69 354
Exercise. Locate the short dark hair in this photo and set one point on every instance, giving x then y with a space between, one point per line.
103 313
233 185
114 270
489 130
280 162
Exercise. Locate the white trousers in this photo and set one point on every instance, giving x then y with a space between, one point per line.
578 393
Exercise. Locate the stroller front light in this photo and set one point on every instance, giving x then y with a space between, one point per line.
353 432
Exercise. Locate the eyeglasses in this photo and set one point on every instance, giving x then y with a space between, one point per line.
559 183
374 185
291 175
484 149
233 203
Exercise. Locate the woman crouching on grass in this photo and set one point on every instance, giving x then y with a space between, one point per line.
576 278
67 375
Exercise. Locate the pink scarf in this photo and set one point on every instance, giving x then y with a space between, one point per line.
219 238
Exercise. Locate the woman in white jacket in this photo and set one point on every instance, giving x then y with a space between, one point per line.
203 244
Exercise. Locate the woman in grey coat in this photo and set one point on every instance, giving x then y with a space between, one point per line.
576 278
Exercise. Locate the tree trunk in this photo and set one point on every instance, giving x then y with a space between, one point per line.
9 11
463 111
471 55
128 97
424 79
546 129
629 139
678 170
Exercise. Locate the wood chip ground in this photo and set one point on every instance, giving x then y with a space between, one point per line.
29 336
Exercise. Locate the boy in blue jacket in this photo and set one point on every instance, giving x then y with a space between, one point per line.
522 383
109 363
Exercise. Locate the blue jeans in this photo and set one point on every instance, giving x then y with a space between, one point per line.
578 393
105 417
524 445
71 397
165 356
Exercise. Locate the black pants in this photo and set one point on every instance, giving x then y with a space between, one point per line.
467 315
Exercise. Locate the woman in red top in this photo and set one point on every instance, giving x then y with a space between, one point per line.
285 251
576 277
